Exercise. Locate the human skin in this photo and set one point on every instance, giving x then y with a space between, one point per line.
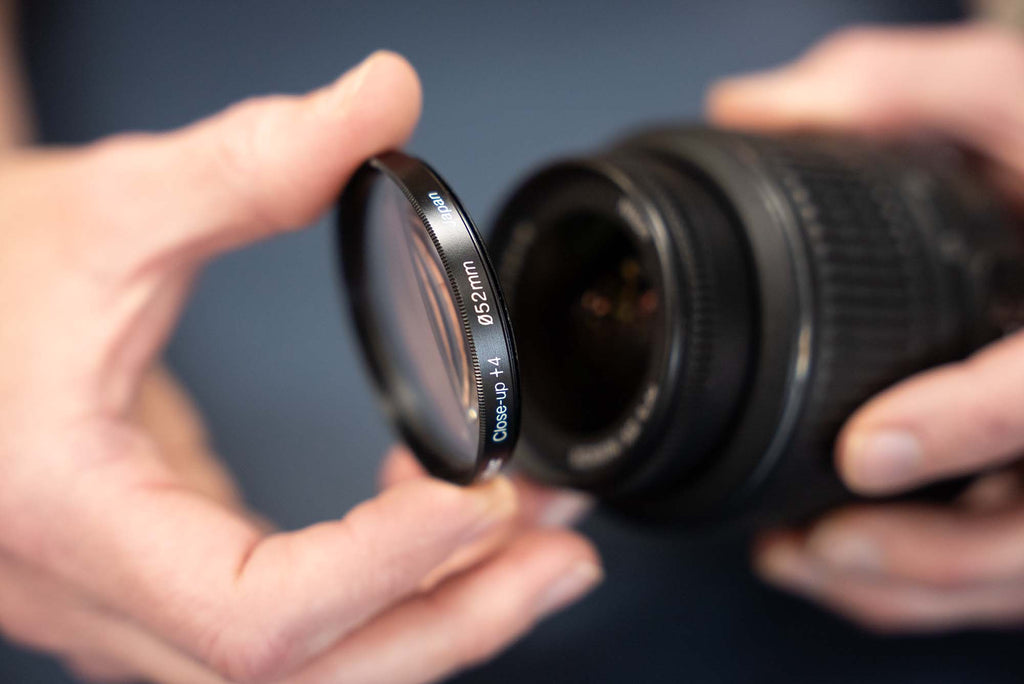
125 548
902 566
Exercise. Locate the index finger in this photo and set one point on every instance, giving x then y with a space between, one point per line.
251 605
952 420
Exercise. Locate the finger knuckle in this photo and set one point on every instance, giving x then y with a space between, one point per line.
235 153
240 160
248 655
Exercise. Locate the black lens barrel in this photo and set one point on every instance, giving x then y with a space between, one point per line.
713 320
800 274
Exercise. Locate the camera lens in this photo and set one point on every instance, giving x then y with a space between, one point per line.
600 319
699 311
624 315
430 317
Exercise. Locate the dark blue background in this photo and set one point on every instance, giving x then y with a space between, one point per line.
274 366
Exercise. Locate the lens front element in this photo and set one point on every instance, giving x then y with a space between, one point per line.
592 341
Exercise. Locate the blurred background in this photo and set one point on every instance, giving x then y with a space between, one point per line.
274 365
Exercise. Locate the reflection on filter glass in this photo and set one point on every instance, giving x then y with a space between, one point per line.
421 323
442 315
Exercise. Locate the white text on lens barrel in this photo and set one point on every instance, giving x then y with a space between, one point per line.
479 297
500 433
443 209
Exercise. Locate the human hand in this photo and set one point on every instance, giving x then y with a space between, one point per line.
909 566
124 548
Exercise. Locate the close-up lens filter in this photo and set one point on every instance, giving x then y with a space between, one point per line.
430 317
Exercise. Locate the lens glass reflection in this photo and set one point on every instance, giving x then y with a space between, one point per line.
421 323
592 315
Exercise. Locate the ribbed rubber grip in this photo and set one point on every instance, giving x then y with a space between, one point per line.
890 246
873 263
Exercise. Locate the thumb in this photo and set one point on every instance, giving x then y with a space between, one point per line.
260 167
960 82
954 420
256 606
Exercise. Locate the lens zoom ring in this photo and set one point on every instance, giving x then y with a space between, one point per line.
875 296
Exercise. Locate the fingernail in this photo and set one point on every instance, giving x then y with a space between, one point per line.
565 509
880 461
569 587
844 550
498 505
